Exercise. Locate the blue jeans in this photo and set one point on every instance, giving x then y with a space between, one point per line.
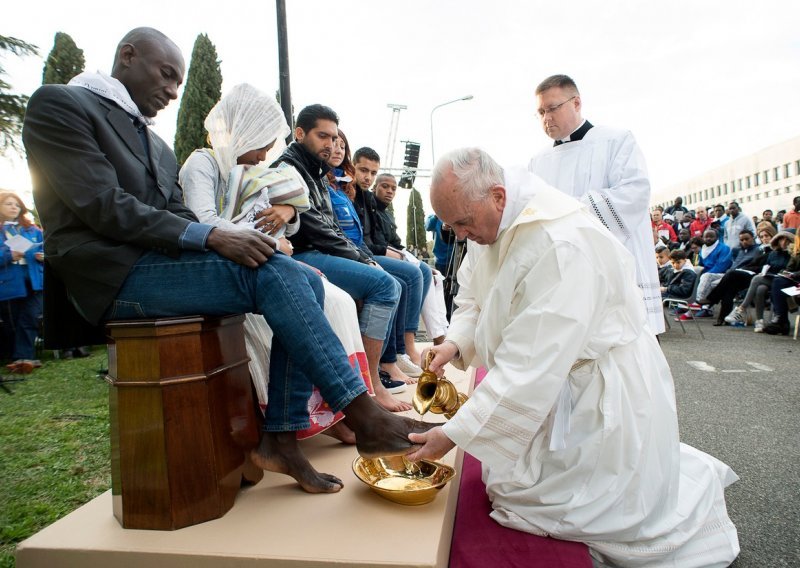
780 305
288 295
25 314
378 290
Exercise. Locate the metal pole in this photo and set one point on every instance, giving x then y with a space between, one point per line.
283 66
389 157
466 98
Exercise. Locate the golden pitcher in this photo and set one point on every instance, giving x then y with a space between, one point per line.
437 395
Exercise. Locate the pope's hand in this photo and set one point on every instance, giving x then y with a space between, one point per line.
442 354
433 444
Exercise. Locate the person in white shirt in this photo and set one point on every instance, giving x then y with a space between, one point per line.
604 168
575 422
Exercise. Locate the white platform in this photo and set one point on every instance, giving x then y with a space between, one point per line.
274 523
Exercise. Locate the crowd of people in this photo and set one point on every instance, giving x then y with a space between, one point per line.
722 256
575 422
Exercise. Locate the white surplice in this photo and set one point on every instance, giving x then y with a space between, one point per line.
606 171
575 423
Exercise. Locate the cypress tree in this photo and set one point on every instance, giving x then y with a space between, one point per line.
202 92
12 106
64 61
415 222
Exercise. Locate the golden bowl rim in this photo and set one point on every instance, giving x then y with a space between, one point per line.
451 473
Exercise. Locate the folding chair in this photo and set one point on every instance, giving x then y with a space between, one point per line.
671 303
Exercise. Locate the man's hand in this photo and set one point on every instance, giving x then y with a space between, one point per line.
442 354
250 248
434 444
272 219
16 255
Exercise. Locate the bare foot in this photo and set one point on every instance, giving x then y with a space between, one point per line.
380 433
341 432
398 375
387 401
279 452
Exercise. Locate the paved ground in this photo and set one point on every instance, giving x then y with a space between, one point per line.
738 396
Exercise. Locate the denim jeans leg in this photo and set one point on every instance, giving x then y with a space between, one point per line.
378 289
285 292
395 342
412 277
27 311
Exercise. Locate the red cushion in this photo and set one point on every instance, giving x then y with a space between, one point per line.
478 541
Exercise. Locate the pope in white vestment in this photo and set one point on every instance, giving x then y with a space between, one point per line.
575 423
606 171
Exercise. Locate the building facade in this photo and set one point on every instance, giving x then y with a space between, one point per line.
767 179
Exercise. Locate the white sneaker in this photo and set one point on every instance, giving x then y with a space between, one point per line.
405 364
759 327
735 316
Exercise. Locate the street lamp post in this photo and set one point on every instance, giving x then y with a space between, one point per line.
466 98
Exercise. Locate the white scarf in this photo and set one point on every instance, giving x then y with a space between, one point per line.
112 89
707 250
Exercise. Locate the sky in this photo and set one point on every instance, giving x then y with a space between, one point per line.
698 82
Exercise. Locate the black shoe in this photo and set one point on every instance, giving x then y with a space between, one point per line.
780 327
720 322
390 384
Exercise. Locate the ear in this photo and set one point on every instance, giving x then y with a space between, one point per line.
126 53
299 134
498 194
578 104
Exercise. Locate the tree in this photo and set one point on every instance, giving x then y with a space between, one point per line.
415 222
64 62
12 107
202 91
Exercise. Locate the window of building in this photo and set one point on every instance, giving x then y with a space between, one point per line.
776 174
739 184
777 191
786 173
756 179
766 176
789 189
748 182
705 194
797 168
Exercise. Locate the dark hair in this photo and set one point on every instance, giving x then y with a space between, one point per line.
367 153
747 232
308 117
384 175
765 210
347 166
696 241
560 81
677 255
734 203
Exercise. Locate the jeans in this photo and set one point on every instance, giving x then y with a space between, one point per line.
417 280
25 314
378 289
288 295
780 306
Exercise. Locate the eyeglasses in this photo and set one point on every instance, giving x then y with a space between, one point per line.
544 111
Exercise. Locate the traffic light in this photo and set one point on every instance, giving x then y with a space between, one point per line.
410 162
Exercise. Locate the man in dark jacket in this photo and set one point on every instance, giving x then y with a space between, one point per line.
320 243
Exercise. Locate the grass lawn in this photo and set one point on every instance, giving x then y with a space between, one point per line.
55 450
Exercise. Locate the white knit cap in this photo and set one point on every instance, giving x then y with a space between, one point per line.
245 119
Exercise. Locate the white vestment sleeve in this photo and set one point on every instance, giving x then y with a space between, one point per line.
623 205
543 332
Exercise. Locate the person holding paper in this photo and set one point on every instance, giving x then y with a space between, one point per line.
21 278
786 283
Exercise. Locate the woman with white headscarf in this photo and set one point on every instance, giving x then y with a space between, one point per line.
226 187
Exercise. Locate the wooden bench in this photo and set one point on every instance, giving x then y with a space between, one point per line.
183 419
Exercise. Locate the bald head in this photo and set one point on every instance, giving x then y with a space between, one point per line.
151 68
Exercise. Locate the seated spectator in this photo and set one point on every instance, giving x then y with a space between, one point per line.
766 217
760 285
388 254
681 285
320 243
715 258
791 219
21 279
664 264
227 188
779 218
683 240
779 324
748 259
664 230
693 250
700 223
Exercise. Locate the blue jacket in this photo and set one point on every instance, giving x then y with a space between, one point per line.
442 249
718 261
14 275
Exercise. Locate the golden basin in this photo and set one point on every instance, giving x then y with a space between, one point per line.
401 481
